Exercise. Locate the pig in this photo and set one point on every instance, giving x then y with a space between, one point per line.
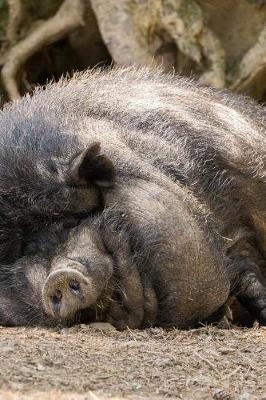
180 167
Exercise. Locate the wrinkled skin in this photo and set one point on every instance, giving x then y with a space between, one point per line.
180 171
88 269
85 273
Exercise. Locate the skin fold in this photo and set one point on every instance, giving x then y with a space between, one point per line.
175 167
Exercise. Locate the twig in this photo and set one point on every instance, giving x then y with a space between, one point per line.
93 396
209 363
252 65
231 373
68 18
15 18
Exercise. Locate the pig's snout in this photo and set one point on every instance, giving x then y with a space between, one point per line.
66 291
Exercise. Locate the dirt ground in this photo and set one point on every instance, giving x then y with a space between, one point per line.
97 362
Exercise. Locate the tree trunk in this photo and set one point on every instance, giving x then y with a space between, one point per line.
223 42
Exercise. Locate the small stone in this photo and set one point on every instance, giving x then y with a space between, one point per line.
102 326
40 367
16 386
221 394
136 386
245 396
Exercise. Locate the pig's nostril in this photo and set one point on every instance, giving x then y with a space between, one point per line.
56 298
74 286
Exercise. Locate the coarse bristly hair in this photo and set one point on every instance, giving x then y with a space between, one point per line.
203 137
155 127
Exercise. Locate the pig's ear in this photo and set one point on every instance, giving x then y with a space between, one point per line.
92 166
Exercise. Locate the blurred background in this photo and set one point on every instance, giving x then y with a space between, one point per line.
222 42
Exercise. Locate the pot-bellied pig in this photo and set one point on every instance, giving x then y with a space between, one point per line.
184 165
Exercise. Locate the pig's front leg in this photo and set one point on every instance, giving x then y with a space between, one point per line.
127 304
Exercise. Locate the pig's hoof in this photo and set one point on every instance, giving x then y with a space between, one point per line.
66 291
262 315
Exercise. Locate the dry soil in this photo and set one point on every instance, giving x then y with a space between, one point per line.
97 362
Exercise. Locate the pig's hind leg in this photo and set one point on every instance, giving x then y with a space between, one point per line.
250 288
127 305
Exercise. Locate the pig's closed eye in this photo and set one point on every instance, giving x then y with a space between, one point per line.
57 297
76 186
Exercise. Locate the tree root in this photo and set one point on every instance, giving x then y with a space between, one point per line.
252 67
68 18
133 34
213 52
184 22
16 14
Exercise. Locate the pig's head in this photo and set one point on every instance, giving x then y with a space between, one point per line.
80 274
